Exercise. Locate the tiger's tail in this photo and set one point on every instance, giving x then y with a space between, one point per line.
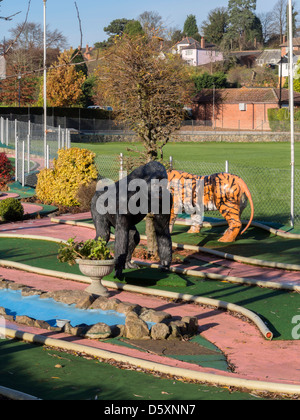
246 191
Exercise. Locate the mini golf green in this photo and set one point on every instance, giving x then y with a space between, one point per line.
53 375
275 307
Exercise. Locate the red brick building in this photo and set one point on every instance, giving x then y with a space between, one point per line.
239 109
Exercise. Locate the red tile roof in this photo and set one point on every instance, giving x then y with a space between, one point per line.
245 95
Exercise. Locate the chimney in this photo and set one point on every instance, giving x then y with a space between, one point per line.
203 43
284 39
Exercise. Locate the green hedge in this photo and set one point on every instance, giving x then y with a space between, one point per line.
57 112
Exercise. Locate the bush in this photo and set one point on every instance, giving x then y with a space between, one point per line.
6 170
73 168
11 210
279 119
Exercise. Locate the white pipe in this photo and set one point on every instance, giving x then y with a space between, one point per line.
291 104
12 394
185 374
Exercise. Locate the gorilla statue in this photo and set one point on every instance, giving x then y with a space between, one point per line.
124 204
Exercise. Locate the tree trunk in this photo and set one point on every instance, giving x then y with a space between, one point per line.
151 237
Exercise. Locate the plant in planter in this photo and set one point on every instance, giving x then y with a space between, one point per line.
93 258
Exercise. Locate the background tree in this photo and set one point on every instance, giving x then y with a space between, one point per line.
279 19
116 27
241 19
64 83
266 26
27 50
152 22
214 28
133 28
147 92
190 27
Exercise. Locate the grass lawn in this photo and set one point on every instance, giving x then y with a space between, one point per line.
271 155
265 167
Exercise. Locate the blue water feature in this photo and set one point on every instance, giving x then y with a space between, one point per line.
50 310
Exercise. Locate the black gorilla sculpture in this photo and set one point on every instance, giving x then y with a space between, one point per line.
125 203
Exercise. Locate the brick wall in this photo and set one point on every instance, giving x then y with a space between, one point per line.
230 116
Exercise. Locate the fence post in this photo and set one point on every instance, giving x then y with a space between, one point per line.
47 157
226 166
23 163
63 139
59 138
28 153
171 162
2 130
7 123
16 158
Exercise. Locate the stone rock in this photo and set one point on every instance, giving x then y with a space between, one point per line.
9 318
41 324
28 291
160 331
135 327
80 298
4 284
150 315
14 286
79 330
126 307
2 311
117 330
26 320
175 331
105 304
98 331
192 324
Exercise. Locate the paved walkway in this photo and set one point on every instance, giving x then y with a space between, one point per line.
252 356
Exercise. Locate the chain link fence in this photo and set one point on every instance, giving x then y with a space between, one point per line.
270 187
26 140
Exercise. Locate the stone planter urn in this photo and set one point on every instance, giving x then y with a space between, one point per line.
96 270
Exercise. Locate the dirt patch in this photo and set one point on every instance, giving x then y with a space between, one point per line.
167 347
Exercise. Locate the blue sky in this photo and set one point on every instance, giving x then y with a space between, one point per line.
96 14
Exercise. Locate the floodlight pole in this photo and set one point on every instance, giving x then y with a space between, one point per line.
291 94
45 87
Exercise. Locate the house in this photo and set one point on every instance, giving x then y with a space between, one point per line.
196 53
239 109
284 67
2 67
285 46
269 58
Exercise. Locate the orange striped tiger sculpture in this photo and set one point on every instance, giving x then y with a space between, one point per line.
224 192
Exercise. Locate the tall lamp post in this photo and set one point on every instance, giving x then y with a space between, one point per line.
45 88
291 94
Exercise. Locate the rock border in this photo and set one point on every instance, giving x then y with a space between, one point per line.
135 328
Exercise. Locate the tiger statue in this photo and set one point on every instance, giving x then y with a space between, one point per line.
224 192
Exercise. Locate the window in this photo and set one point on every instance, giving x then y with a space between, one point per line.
243 107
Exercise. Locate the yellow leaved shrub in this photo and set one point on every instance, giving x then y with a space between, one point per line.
72 169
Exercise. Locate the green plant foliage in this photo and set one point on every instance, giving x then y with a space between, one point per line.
208 81
89 250
73 168
11 210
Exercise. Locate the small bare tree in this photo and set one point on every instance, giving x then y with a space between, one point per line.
148 90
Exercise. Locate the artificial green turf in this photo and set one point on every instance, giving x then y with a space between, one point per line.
31 369
276 307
